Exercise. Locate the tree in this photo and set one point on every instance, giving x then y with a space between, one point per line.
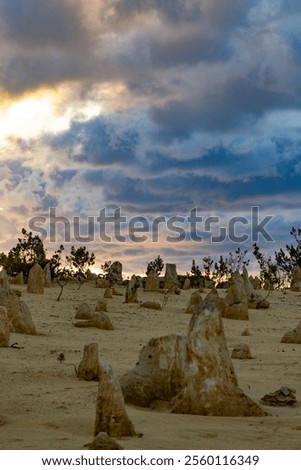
288 260
237 260
155 266
221 270
207 265
106 267
196 273
269 270
56 262
28 251
80 259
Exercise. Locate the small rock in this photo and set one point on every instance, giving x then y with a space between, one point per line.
84 311
285 396
103 442
99 320
101 306
241 351
293 336
245 332
88 368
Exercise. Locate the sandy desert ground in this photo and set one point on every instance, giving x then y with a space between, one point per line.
43 405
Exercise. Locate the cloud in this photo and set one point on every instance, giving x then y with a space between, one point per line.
47 24
97 142
165 106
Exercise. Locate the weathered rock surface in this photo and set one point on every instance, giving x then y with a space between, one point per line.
255 300
293 336
116 292
245 332
159 372
84 311
296 279
103 442
255 281
186 285
195 373
100 320
88 368
195 299
18 279
236 299
111 414
4 279
171 277
211 385
131 295
101 306
152 282
241 351
115 272
214 297
4 328
18 312
285 396
36 280
47 275
102 283
108 293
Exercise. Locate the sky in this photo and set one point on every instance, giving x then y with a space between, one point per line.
154 111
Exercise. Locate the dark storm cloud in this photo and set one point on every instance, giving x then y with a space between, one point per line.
189 10
97 142
28 72
175 10
202 32
37 23
53 45
237 104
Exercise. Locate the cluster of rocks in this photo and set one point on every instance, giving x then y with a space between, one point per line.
18 312
255 300
14 313
93 318
194 373
240 296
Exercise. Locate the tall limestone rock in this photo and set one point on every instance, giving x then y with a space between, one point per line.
211 385
171 278
236 300
111 414
36 280
18 312
4 328
152 282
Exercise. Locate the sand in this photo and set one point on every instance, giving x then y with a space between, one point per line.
43 405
